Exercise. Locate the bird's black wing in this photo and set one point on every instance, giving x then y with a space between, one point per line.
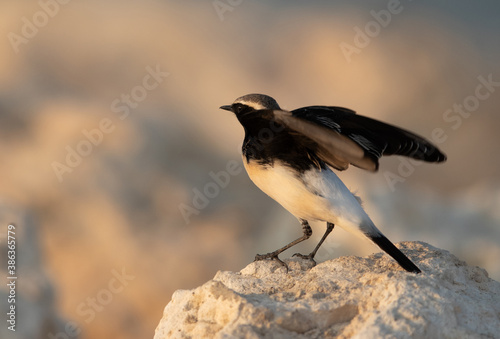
344 137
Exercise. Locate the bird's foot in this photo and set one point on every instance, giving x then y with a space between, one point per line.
309 257
272 256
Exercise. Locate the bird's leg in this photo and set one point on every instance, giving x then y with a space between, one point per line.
310 256
274 255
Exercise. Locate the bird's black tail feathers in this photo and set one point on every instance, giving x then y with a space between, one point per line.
394 252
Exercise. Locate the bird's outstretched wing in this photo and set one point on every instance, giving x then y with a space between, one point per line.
343 137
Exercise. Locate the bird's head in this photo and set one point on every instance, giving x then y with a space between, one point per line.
251 102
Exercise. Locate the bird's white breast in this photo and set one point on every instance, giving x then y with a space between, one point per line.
312 195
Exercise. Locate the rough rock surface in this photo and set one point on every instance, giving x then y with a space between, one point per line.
348 297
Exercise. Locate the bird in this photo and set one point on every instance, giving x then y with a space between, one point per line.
292 156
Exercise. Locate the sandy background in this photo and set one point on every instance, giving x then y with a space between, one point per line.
118 208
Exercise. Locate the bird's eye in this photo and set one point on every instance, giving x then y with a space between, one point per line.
238 108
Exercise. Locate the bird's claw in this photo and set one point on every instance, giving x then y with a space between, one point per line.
309 257
272 256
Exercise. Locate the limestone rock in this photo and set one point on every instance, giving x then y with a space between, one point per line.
348 297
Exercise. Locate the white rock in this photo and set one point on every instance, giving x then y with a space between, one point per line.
348 297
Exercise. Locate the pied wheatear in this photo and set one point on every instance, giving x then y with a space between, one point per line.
291 155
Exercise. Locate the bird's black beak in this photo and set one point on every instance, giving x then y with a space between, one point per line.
227 108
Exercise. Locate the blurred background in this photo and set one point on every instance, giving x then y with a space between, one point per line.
111 140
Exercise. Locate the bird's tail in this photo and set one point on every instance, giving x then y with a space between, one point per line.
394 252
